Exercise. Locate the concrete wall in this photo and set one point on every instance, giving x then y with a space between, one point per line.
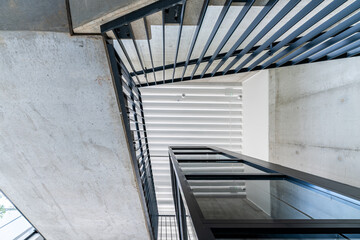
34 15
256 116
84 11
89 15
64 157
314 118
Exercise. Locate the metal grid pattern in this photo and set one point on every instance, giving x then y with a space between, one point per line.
240 36
168 229
130 101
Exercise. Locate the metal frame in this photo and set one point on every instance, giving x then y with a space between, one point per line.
235 229
130 104
220 19
333 34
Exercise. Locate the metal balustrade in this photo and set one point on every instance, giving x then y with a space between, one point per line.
232 196
130 104
277 33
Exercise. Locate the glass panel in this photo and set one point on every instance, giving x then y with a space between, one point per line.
268 199
193 150
217 167
293 237
204 156
189 223
13 225
352 236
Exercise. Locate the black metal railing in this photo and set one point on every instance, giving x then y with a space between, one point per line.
130 103
232 196
338 36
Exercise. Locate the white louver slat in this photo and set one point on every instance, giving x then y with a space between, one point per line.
189 114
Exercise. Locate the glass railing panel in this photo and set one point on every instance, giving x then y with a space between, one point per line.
204 150
295 237
268 199
203 156
218 168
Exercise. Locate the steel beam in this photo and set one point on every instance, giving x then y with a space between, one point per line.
148 41
205 59
179 36
333 20
126 55
281 14
353 52
229 33
344 45
300 15
212 34
316 18
266 9
196 34
163 43
138 53
308 49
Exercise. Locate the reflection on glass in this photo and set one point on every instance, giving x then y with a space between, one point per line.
297 236
203 156
194 150
189 223
268 199
217 167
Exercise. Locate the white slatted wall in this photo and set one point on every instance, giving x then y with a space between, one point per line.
189 114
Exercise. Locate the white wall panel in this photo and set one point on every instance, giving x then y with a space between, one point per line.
189 114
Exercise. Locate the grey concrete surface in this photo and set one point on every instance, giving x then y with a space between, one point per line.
64 157
33 15
314 118
85 11
98 14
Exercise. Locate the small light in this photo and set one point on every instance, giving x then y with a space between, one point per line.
239 97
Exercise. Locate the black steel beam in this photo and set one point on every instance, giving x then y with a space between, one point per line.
163 44
205 59
304 51
149 45
333 20
126 55
230 32
324 12
266 9
179 36
269 43
138 53
196 34
275 20
212 34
